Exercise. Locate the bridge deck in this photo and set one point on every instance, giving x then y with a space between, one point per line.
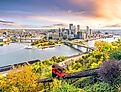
71 45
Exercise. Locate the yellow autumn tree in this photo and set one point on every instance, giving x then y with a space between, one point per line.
20 80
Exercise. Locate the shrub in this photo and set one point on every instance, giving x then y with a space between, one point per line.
94 65
67 88
100 87
118 88
110 72
115 55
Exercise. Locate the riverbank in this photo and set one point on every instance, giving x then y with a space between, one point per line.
5 43
16 53
67 62
49 46
74 64
71 59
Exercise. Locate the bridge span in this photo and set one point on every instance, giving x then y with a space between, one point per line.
30 40
73 45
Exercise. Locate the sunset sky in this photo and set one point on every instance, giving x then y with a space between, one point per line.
55 13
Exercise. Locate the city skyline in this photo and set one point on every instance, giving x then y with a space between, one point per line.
60 13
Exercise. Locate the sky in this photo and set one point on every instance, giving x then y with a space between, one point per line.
60 13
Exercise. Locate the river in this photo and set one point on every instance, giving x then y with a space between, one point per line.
16 53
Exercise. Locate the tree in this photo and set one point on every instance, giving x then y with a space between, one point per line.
110 72
20 80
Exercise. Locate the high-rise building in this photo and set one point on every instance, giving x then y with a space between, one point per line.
79 35
78 28
87 32
70 26
90 32
73 29
60 32
87 29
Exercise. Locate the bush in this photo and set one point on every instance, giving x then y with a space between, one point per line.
115 55
67 88
100 87
110 72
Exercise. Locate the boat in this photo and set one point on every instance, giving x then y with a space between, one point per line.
28 47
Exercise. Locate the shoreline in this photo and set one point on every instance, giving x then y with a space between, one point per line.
68 58
49 46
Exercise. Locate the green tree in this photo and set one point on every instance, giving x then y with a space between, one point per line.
115 55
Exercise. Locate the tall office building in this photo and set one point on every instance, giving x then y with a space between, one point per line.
79 35
74 30
70 26
78 28
90 32
87 29
60 32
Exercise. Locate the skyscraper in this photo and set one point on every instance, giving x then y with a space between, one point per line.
90 33
87 32
87 29
59 32
78 28
70 26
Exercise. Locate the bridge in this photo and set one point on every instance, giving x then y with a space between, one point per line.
27 40
92 39
76 46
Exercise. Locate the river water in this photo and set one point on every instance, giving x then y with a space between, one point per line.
15 52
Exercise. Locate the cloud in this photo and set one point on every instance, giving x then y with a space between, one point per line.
114 25
2 21
10 24
100 8
59 25
55 26
108 8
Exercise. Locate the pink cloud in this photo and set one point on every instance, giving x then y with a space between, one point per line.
100 8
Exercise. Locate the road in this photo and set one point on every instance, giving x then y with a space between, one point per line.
69 60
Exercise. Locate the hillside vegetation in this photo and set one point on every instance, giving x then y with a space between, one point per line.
106 57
